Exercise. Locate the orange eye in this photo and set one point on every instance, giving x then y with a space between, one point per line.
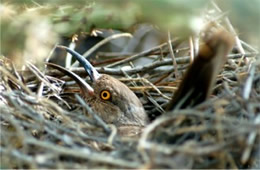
105 95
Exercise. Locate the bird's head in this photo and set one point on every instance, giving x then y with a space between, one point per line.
112 100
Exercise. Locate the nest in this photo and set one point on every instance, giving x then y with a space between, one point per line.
44 125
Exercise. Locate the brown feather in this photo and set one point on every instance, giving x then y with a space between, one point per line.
198 80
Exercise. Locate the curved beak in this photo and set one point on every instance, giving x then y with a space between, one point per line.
92 72
84 86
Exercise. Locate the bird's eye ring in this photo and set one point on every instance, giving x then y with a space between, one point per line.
105 95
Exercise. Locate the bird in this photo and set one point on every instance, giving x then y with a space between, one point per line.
116 104
111 99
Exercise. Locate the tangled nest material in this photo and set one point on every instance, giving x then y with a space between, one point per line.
42 126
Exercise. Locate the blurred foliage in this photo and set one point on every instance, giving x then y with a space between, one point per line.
71 16
245 17
32 27
40 22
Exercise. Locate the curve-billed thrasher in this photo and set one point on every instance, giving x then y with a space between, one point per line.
115 103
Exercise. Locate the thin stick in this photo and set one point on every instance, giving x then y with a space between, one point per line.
248 83
172 56
162 88
136 56
41 77
191 50
151 85
250 142
68 57
94 48
40 88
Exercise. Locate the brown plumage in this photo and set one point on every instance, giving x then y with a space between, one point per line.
198 80
123 107
112 100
